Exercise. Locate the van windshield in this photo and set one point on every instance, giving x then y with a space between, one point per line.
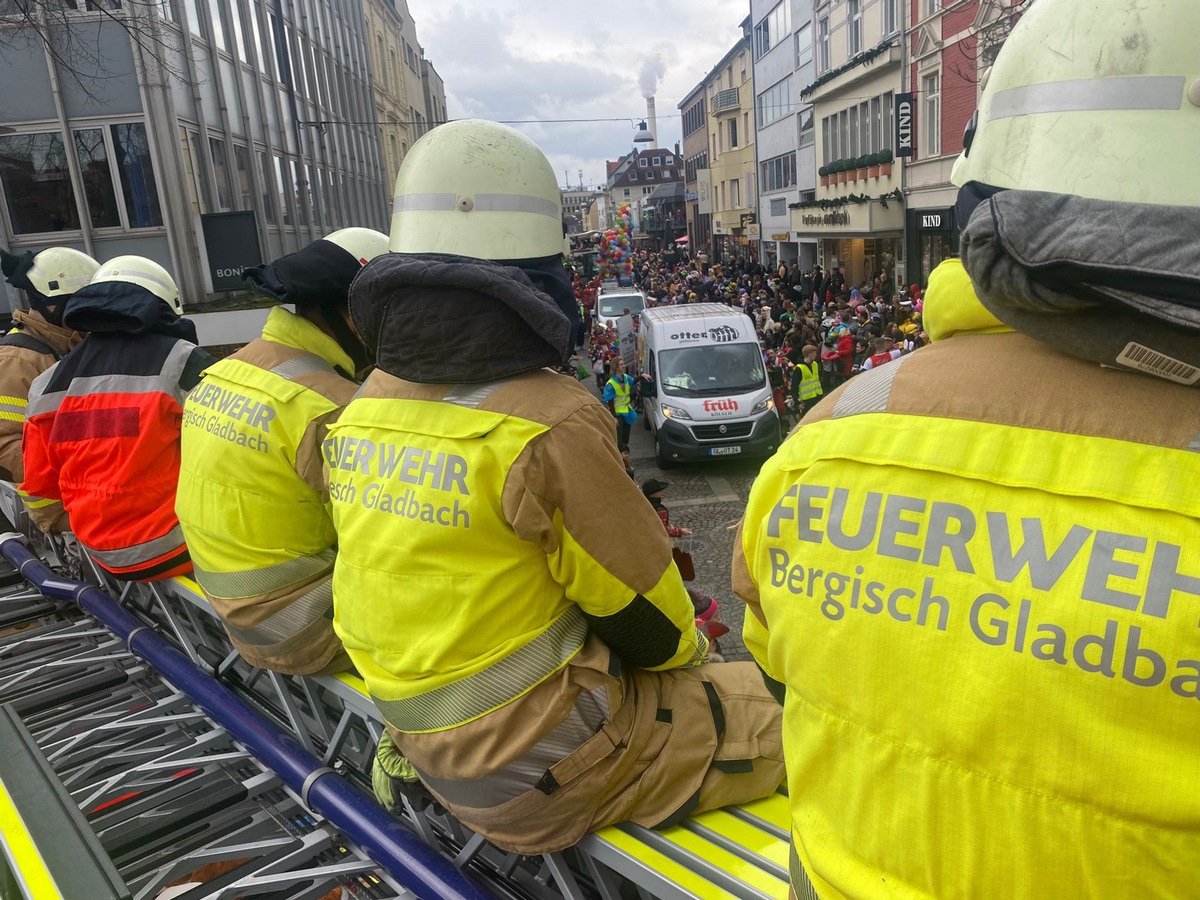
713 369
614 305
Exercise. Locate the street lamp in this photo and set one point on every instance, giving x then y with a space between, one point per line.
643 135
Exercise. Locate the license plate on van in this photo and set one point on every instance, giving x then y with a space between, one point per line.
724 451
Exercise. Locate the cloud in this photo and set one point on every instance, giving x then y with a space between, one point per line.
548 59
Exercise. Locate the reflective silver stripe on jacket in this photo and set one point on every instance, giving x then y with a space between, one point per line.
471 697
265 579
85 386
290 620
304 364
523 773
140 553
470 396
438 202
868 391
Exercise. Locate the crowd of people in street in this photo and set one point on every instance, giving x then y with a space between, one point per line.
816 328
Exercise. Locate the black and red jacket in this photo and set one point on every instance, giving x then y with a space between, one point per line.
102 429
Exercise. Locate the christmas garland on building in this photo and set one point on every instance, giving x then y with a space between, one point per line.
865 57
839 202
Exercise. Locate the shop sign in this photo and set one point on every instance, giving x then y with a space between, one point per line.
718 228
781 236
809 220
753 231
933 220
704 191
748 219
905 124
231 239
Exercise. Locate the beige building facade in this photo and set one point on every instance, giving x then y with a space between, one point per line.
857 217
730 91
409 94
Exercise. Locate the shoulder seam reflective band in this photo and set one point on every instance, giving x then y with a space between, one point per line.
304 364
239 585
500 683
539 206
1089 94
139 553
423 202
868 391
289 621
471 395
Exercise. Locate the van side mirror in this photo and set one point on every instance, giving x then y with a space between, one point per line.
649 388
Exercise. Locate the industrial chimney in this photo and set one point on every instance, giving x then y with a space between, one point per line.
651 121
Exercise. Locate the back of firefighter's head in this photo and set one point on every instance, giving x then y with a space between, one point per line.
49 278
478 189
316 280
1097 98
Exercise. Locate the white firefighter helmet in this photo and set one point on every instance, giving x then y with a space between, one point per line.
144 273
478 189
364 244
61 271
1114 116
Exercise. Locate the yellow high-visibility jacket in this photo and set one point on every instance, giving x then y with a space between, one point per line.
251 497
468 529
977 572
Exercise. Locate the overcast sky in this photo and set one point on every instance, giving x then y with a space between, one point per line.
566 59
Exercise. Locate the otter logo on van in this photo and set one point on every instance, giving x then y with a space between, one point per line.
722 334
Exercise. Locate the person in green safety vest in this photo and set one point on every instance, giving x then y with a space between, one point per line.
618 394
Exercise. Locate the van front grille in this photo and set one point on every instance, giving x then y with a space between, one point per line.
714 432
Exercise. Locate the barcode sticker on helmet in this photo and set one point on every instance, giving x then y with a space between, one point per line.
1147 360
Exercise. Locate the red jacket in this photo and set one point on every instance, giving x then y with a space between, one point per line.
102 435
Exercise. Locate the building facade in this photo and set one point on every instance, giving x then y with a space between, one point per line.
781 41
950 49
576 204
857 215
694 117
408 91
731 155
222 133
633 179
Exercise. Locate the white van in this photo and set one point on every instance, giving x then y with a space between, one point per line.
707 394
613 301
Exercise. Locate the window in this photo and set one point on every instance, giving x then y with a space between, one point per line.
281 192
735 193
778 207
828 144
891 17
807 134
657 161
742 63
258 47
733 133
774 27
668 158
887 131
823 45
694 118
746 126
854 145
239 39
877 125
393 71
649 174
633 176
930 88
220 173
299 192
668 173
843 119
646 191
380 56
804 45
264 171
98 191
643 162
864 128
193 16
778 173
197 185
214 21
282 56
626 192
854 26
241 160
932 6
775 102
37 183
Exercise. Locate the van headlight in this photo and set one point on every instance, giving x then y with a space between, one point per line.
764 404
674 412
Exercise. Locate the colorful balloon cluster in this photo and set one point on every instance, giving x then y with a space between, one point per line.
617 246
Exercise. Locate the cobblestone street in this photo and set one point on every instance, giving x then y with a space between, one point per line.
709 498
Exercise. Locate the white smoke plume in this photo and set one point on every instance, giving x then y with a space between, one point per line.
653 68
